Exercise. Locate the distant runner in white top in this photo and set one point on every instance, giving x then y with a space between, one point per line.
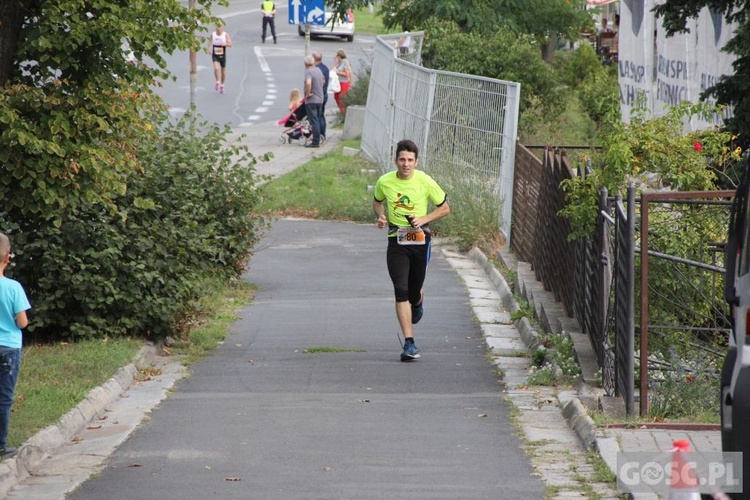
217 46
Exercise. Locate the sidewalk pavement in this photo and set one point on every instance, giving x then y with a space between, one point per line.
59 457
265 138
654 440
559 434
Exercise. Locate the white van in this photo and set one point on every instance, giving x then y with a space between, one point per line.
343 28
735 375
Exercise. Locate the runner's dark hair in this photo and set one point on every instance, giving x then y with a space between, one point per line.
408 146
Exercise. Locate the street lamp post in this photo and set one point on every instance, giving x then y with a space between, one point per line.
193 70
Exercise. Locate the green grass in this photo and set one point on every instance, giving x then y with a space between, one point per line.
329 187
56 377
334 187
369 24
217 312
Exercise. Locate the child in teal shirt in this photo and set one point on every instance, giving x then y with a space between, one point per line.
13 307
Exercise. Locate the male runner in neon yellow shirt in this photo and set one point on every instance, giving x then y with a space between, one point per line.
401 202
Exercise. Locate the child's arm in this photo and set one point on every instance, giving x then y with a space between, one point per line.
22 321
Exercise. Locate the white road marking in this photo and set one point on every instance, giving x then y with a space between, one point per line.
261 60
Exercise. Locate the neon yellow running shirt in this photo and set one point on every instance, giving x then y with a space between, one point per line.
407 197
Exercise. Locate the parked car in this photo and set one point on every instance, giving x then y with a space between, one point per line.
342 27
735 375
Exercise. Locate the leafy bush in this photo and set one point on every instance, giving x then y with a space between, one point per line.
685 388
646 152
575 67
504 55
594 84
564 356
136 269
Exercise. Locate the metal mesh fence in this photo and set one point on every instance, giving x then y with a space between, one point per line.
465 125
684 324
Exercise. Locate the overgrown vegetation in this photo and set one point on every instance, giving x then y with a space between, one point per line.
555 362
504 55
116 216
136 266
591 82
650 152
685 388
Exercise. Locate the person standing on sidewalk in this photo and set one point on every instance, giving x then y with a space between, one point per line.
13 307
318 58
314 82
268 9
343 69
401 202
217 46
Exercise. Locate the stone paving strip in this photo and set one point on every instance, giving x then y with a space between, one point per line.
557 453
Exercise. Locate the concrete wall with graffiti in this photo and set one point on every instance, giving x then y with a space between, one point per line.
662 72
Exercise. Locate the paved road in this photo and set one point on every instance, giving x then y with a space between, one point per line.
259 76
359 424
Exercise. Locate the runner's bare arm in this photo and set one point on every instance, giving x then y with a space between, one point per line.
379 209
436 214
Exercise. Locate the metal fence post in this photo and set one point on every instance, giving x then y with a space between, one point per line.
630 338
430 102
644 308
602 299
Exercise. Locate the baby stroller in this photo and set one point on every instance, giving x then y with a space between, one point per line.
298 128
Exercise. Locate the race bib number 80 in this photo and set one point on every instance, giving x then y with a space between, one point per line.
410 236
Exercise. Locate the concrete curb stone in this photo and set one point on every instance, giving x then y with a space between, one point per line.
32 452
547 440
579 420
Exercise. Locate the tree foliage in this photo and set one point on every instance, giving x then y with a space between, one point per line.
73 106
538 18
650 152
504 55
86 42
731 89
594 84
138 268
116 216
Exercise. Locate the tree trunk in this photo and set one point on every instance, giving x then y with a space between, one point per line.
548 49
12 14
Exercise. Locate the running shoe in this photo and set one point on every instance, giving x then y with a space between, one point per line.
216 87
411 352
416 313
221 89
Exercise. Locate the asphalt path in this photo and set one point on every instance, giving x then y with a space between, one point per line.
259 76
262 418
